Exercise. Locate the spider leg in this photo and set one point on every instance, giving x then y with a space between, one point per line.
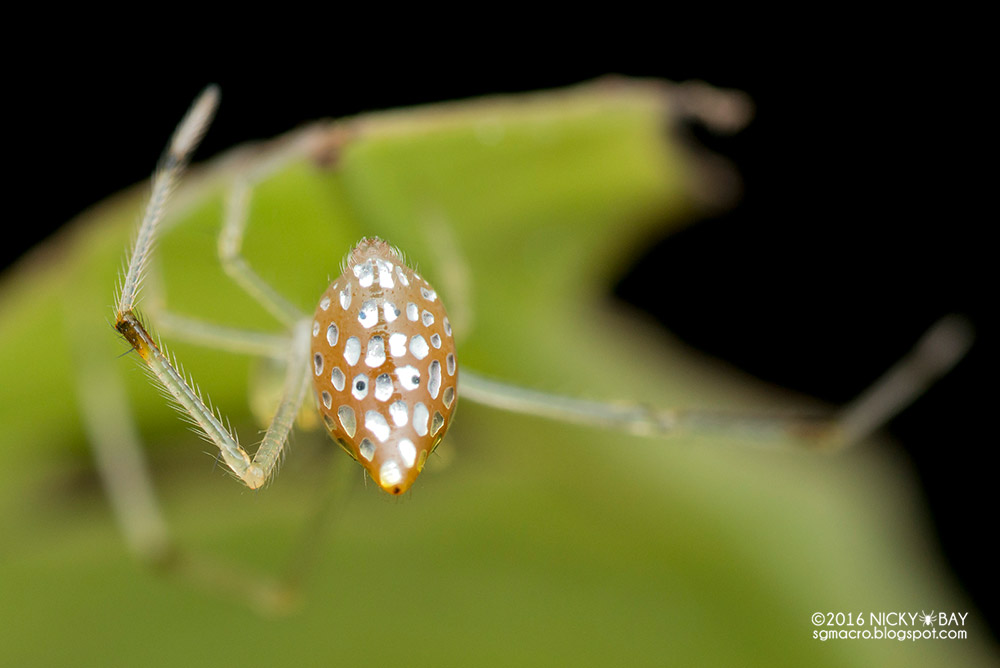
454 274
230 247
220 337
119 457
272 347
934 355
937 352
176 326
107 417
256 471
118 452
308 550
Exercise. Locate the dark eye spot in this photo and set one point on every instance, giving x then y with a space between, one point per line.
416 380
360 386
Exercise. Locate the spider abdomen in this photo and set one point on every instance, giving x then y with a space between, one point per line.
384 365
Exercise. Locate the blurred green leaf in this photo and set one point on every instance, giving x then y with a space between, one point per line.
525 542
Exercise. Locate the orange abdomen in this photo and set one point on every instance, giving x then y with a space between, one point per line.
384 365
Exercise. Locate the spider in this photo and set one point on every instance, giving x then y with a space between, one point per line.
379 360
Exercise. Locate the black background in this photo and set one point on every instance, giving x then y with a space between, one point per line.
861 222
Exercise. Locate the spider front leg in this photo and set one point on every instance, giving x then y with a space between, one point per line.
254 472
115 440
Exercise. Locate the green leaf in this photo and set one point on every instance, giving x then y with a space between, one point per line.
524 542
